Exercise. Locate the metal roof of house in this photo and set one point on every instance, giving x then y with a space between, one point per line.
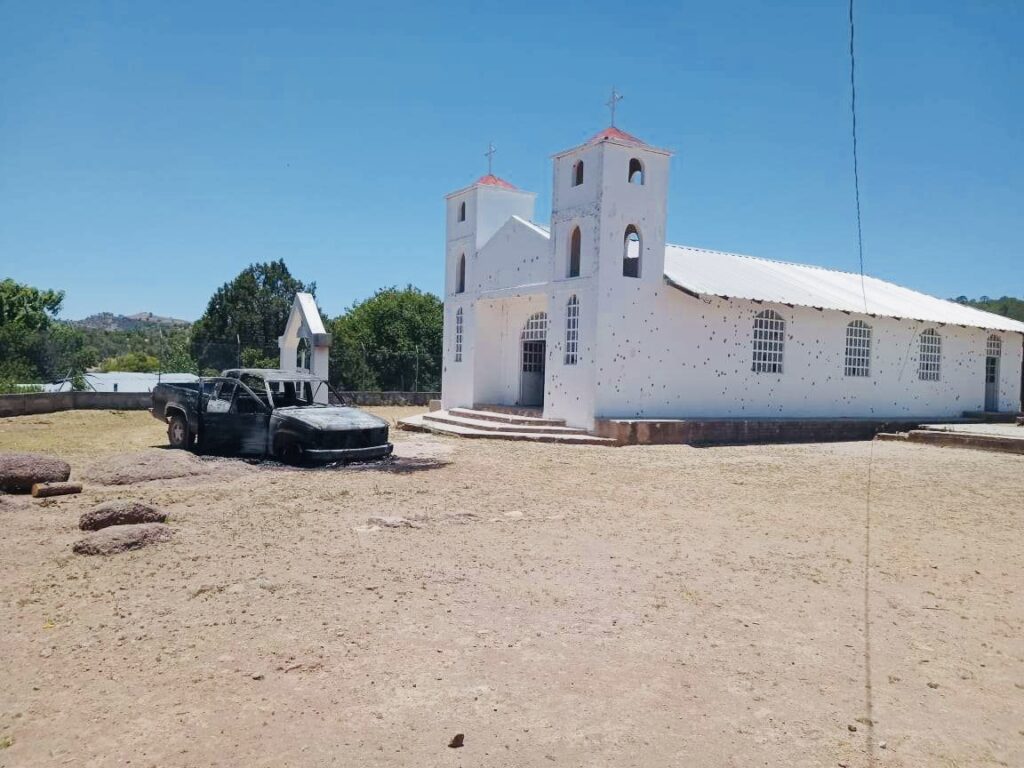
715 273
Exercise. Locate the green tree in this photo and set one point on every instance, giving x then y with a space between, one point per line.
26 316
247 313
391 341
138 362
1006 306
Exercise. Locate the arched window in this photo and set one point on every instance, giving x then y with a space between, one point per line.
302 356
929 358
577 173
458 335
460 275
462 211
636 172
574 252
858 349
572 330
631 251
769 342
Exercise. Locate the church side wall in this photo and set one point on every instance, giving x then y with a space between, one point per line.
691 357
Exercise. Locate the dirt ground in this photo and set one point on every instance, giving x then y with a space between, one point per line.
642 606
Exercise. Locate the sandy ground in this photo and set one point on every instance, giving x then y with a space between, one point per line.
644 606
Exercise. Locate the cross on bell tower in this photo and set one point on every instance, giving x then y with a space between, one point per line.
615 99
489 154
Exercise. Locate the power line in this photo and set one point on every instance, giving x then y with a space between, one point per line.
868 694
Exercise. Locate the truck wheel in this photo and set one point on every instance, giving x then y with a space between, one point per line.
290 452
178 434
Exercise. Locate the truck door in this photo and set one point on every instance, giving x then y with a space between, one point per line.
216 435
251 419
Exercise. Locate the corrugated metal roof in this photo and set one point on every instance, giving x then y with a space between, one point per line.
716 273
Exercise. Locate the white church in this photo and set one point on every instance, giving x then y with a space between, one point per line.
593 316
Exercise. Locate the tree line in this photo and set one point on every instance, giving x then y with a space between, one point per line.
389 341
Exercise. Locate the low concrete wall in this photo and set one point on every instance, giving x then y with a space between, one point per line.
744 431
390 398
49 402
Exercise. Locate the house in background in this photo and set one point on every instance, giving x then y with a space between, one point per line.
594 316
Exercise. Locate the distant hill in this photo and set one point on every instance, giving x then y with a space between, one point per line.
108 321
1007 306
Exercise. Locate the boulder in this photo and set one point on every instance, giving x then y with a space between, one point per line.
120 512
121 538
20 471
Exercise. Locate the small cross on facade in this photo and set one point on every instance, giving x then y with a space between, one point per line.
615 99
489 154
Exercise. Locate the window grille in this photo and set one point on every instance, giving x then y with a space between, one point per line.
994 347
769 342
929 356
993 351
858 349
572 330
536 328
458 335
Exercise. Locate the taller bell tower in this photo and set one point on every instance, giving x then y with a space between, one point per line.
608 218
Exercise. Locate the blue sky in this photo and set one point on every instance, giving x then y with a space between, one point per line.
150 150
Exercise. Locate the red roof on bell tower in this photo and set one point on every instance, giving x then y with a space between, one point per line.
611 133
490 180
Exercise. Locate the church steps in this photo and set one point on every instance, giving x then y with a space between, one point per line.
421 424
537 426
507 415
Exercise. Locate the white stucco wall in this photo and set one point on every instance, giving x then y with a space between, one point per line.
517 255
688 357
498 363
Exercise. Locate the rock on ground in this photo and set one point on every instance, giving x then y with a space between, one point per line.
157 464
121 538
19 471
120 512
392 522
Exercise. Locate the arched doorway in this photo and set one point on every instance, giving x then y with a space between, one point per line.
533 353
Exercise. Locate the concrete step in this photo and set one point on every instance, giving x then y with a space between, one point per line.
459 420
482 414
992 417
420 424
978 441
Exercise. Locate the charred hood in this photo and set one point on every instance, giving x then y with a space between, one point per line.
331 418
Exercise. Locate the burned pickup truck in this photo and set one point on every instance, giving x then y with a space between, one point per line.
287 415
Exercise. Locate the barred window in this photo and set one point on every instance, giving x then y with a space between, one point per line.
458 335
929 359
572 330
858 349
769 342
994 346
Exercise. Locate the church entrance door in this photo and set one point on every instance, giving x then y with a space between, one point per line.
533 353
